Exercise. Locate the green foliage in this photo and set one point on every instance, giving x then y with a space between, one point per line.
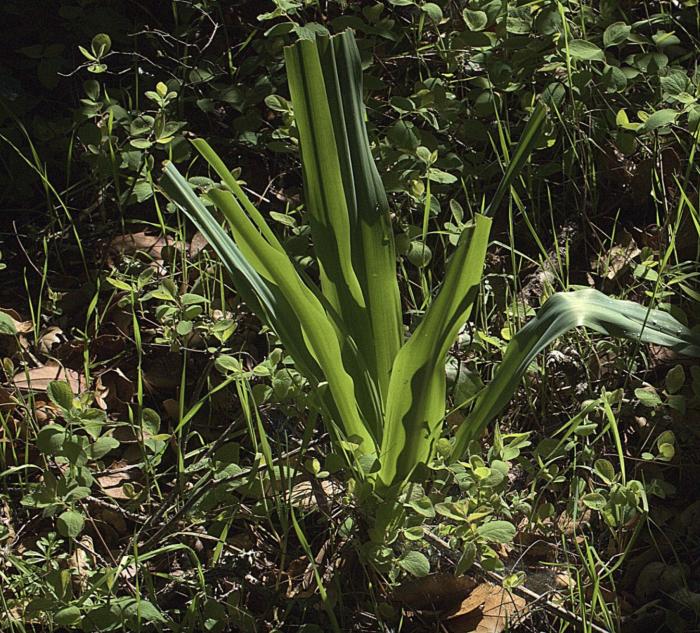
386 401
89 109
386 397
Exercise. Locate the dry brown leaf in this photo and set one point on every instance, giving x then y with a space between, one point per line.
198 244
436 592
134 243
113 480
535 546
121 320
303 494
38 378
115 520
113 390
620 257
568 526
488 609
81 562
7 402
564 580
49 338
660 355
162 371
22 327
107 346
171 408
6 520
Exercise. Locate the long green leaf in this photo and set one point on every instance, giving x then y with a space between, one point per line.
287 305
561 313
416 402
320 335
347 206
373 249
227 178
260 296
254 290
528 140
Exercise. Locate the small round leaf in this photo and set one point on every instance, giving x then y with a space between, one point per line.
70 524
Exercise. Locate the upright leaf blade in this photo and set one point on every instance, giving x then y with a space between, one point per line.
416 402
526 144
227 178
373 249
268 280
347 206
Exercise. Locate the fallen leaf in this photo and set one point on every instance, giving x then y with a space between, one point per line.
112 480
107 346
564 580
38 378
535 546
44 411
570 526
197 244
488 609
114 520
7 402
618 260
162 372
121 320
171 408
81 562
6 521
22 327
435 592
113 390
140 242
303 495
49 338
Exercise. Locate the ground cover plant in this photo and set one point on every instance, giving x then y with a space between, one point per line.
363 401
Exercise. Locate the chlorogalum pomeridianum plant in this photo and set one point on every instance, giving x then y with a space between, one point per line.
383 392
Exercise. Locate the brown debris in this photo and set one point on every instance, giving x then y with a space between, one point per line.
488 609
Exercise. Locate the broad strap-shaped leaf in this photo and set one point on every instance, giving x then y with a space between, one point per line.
253 288
561 313
416 402
260 296
268 281
373 249
346 202
366 389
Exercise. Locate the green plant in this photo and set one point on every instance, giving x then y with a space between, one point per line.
382 394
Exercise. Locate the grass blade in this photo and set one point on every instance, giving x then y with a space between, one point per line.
527 142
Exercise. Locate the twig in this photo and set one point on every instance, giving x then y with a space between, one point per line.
523 592
115 507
